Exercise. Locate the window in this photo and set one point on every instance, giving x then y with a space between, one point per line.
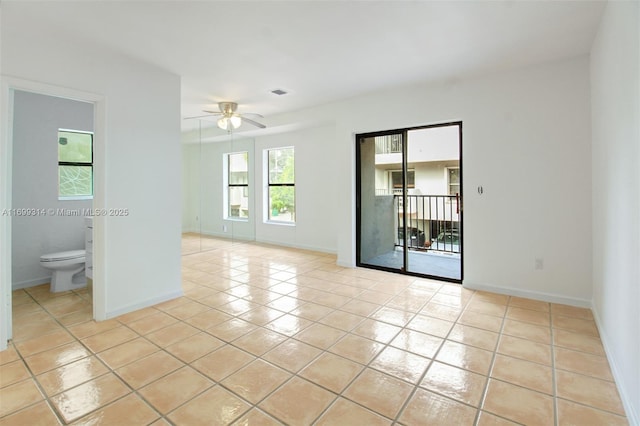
75 165
281 185
395 178
453 180
238 185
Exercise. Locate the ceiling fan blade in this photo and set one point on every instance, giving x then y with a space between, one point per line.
252 114
198 116
213 112
255 123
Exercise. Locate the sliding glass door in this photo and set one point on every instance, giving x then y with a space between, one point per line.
409 201
380 190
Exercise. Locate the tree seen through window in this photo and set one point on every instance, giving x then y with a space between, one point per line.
75 164
281 185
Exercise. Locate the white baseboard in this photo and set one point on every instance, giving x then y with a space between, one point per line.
223 235
298 246
217 234
545 297
147 303
633 417
30 283
228 236
345 264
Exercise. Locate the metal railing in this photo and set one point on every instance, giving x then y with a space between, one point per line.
432 222
384 191
390 144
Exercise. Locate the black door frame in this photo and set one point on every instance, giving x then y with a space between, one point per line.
404 132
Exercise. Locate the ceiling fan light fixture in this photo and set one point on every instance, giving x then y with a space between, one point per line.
229 123
228 118
236 121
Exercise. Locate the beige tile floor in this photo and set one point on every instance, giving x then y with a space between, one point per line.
267 336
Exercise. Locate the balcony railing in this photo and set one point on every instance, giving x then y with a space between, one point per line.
390 144
432 222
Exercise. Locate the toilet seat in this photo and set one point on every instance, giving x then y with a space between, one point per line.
63 255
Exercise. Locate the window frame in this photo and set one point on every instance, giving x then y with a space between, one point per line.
397 189
75 164
448 179
267 211
228 185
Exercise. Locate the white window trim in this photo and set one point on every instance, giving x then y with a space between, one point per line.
265 191
446 178
225 187
75 198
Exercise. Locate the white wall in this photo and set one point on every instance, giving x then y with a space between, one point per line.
526 140
615 86
138 256
434 144
204 207
191 187
431 144
318 207
431 178
36 121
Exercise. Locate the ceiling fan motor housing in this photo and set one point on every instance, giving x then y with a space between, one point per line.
227 108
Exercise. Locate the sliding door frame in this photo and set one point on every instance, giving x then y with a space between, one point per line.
405 132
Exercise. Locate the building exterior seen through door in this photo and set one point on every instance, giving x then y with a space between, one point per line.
409 201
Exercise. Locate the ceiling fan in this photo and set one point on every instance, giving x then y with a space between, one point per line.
230 119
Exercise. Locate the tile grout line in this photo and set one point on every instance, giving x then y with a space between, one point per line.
219 383
136 391
432 360
323 351
109 370
47 398
296 374
327 350
494 354
387 345
349 295
33 376
414 316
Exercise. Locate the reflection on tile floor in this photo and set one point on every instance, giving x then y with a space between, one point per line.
430 262
269 335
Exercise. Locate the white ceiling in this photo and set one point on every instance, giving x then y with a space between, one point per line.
321 51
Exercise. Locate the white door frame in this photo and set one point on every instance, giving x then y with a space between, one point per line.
8 85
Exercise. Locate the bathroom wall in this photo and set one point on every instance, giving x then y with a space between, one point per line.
36 121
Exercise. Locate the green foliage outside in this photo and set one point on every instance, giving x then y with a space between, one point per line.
75 179
281 170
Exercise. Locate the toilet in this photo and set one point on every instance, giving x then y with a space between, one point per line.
65 265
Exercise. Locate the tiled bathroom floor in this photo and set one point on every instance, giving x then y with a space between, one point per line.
267 335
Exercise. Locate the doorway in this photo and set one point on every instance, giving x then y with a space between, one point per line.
8 88
409 201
